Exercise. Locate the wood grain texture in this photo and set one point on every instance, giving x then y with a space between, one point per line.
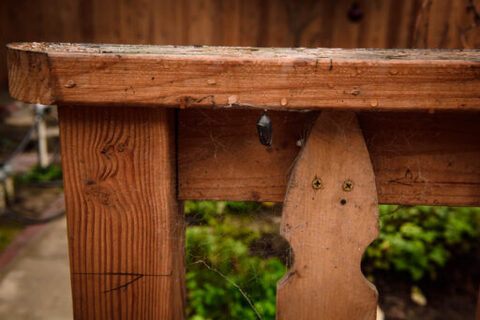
327 227
221 77
418 158
384 24
24 67
126 234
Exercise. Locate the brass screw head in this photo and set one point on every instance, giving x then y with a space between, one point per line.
347 185
317 183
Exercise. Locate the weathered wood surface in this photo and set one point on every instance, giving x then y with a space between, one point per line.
126 235
216 77
290 23
330 215
418 158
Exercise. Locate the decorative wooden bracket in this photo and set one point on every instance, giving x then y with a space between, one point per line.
330 216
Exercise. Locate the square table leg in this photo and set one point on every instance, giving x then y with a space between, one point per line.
125 231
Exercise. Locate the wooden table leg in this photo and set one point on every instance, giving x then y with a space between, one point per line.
125 232
330 216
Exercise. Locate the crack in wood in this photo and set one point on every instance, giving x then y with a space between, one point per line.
137 276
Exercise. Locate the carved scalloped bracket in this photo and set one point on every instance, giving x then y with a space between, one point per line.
330 216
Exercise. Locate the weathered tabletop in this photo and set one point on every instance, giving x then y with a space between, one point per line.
277 78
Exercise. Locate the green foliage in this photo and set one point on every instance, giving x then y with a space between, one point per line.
207 212
39 174
417 241
420 240
241 207
223 278
8 230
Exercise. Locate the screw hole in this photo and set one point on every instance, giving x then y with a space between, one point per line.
343 202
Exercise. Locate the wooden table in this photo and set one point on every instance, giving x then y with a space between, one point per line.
144 127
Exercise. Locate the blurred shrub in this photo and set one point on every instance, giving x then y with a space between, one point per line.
223 279
221 265
39 174
420 240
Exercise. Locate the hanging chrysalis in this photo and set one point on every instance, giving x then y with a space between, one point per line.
264 128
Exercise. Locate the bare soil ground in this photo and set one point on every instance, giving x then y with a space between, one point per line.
452 296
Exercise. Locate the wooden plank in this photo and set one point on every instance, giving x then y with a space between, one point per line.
126 236
237 23
216 77
330 216
418 158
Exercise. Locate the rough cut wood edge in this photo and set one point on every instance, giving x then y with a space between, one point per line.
418 158
329 225
222 77
29 77
126 234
